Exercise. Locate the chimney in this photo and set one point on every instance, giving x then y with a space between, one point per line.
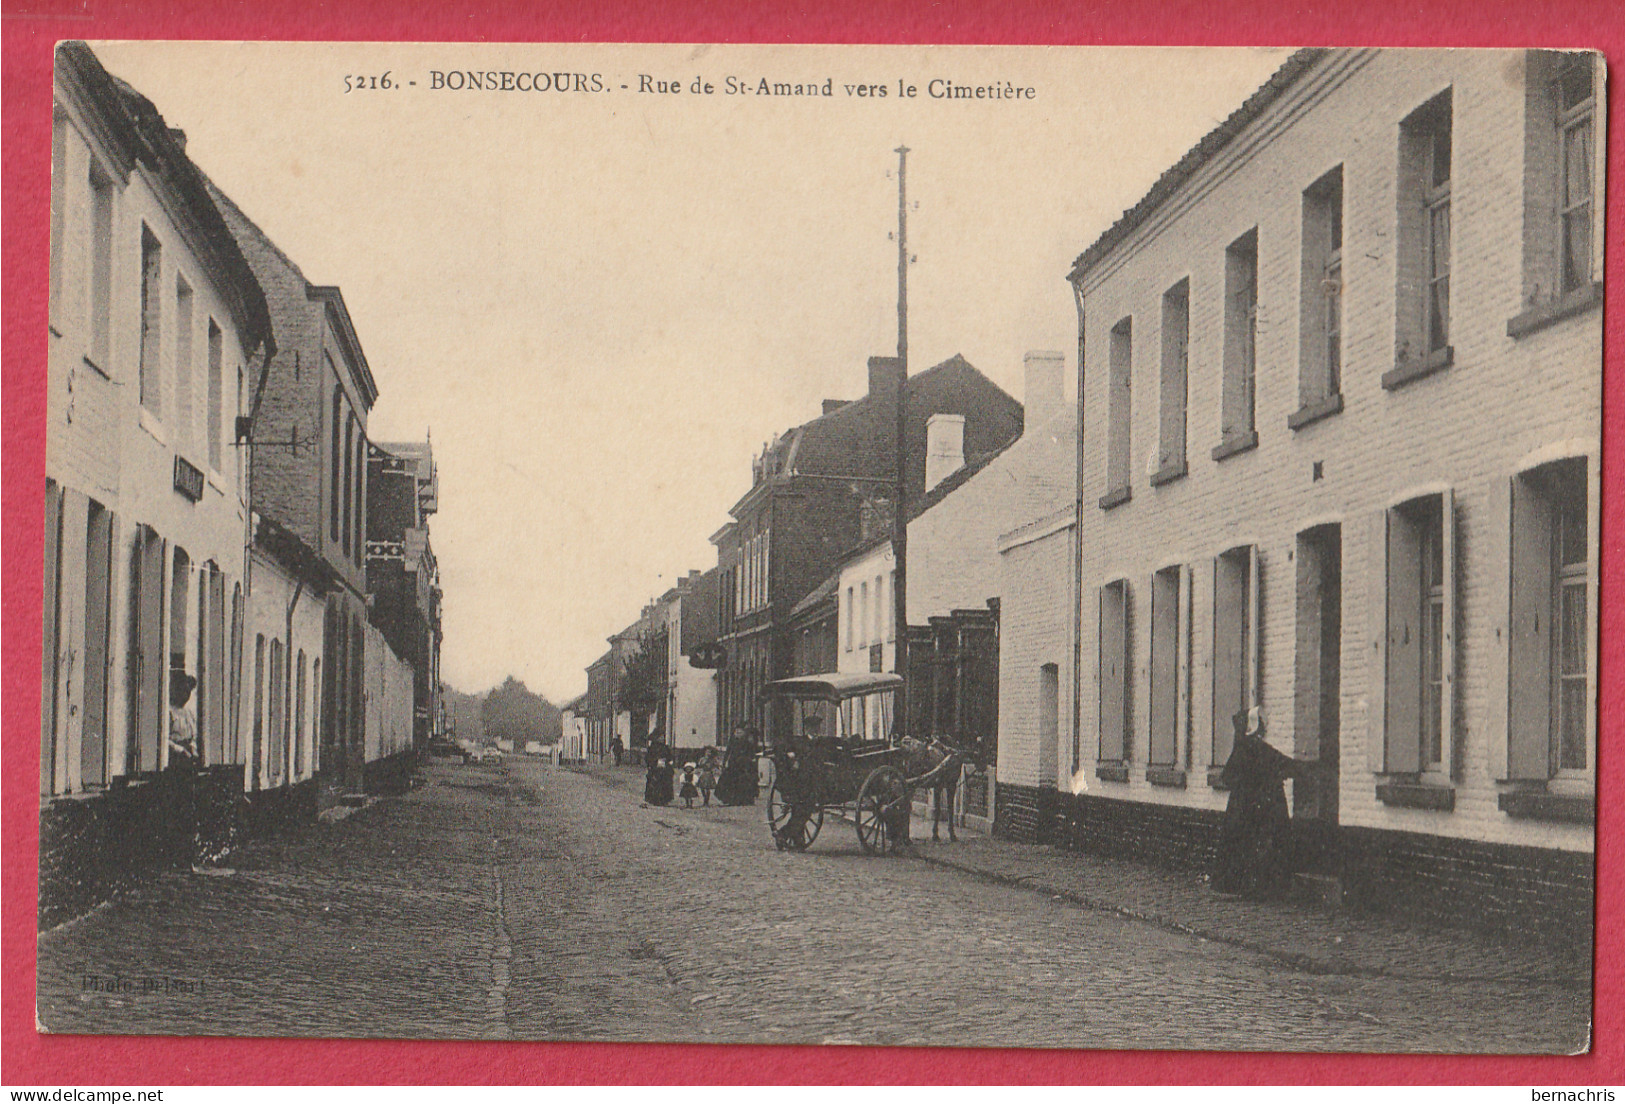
944 447
179 137
832 405
884 375
1046 373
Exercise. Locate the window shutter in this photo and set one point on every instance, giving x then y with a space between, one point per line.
48 651
71 639
1182 662
149 651
1254 694
1113 671
98 623
1447 657
216 712
1404 672
1376 743
1529 632
1230 679
1165 632
233 735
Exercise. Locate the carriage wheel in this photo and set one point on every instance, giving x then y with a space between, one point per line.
883 810
793 829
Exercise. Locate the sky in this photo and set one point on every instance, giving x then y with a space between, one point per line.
600 304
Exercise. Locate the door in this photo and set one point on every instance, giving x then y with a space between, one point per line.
1317 697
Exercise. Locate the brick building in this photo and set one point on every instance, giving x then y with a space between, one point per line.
309 460
403 578
157 329
803 511
1313 481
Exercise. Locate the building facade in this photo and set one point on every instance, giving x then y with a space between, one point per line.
403 577
309 461
1314 483
157 329
803 513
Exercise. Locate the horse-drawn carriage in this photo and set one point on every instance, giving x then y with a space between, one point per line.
833 748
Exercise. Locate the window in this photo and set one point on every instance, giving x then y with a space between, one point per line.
1237 401
1423 295
349 484
1417 726
1560 220
59 189
101 269
1175 356
335 458
891 607
1235 644
863 615
276 739
850 605
1320 301
1576 125
1119 411
183 361
152 295
1170 669
1550 715
217 398
1115 707
359 518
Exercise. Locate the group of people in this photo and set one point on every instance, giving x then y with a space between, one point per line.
730 775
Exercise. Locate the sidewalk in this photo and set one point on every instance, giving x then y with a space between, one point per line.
1313 940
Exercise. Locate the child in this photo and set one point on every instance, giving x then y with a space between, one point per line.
688 792
708 774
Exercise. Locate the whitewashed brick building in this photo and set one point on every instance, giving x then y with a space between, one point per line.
156 322
1342 406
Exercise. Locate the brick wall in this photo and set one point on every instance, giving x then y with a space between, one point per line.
1035 630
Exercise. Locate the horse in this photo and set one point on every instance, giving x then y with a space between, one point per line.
942 763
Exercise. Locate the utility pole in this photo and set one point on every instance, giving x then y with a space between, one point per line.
900 509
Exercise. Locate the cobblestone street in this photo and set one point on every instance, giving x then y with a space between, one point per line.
520 901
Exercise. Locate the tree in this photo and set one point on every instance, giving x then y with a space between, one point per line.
512 712
642 691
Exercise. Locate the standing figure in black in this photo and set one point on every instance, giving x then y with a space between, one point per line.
617 749
1255 853
657 783
737 783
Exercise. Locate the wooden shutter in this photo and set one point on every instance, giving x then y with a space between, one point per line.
1447 646
1376 677
1113 671
98 623
148 653
1254 694
1229 656
234 739
1404 671
48 651
213 712
1531 633
1182 662
1166 623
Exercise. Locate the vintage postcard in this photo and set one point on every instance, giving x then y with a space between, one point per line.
998 547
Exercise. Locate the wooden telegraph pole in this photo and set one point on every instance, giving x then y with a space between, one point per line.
900 510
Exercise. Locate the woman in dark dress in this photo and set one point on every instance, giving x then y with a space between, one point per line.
657 783
1254 852
737 783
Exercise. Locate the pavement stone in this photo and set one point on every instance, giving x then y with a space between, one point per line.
520 901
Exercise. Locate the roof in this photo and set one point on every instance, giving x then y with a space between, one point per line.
821 593
838 684
1200 154
843 444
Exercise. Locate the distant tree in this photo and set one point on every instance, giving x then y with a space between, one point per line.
643 682
512 712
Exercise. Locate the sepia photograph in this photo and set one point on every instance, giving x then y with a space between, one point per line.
977 546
